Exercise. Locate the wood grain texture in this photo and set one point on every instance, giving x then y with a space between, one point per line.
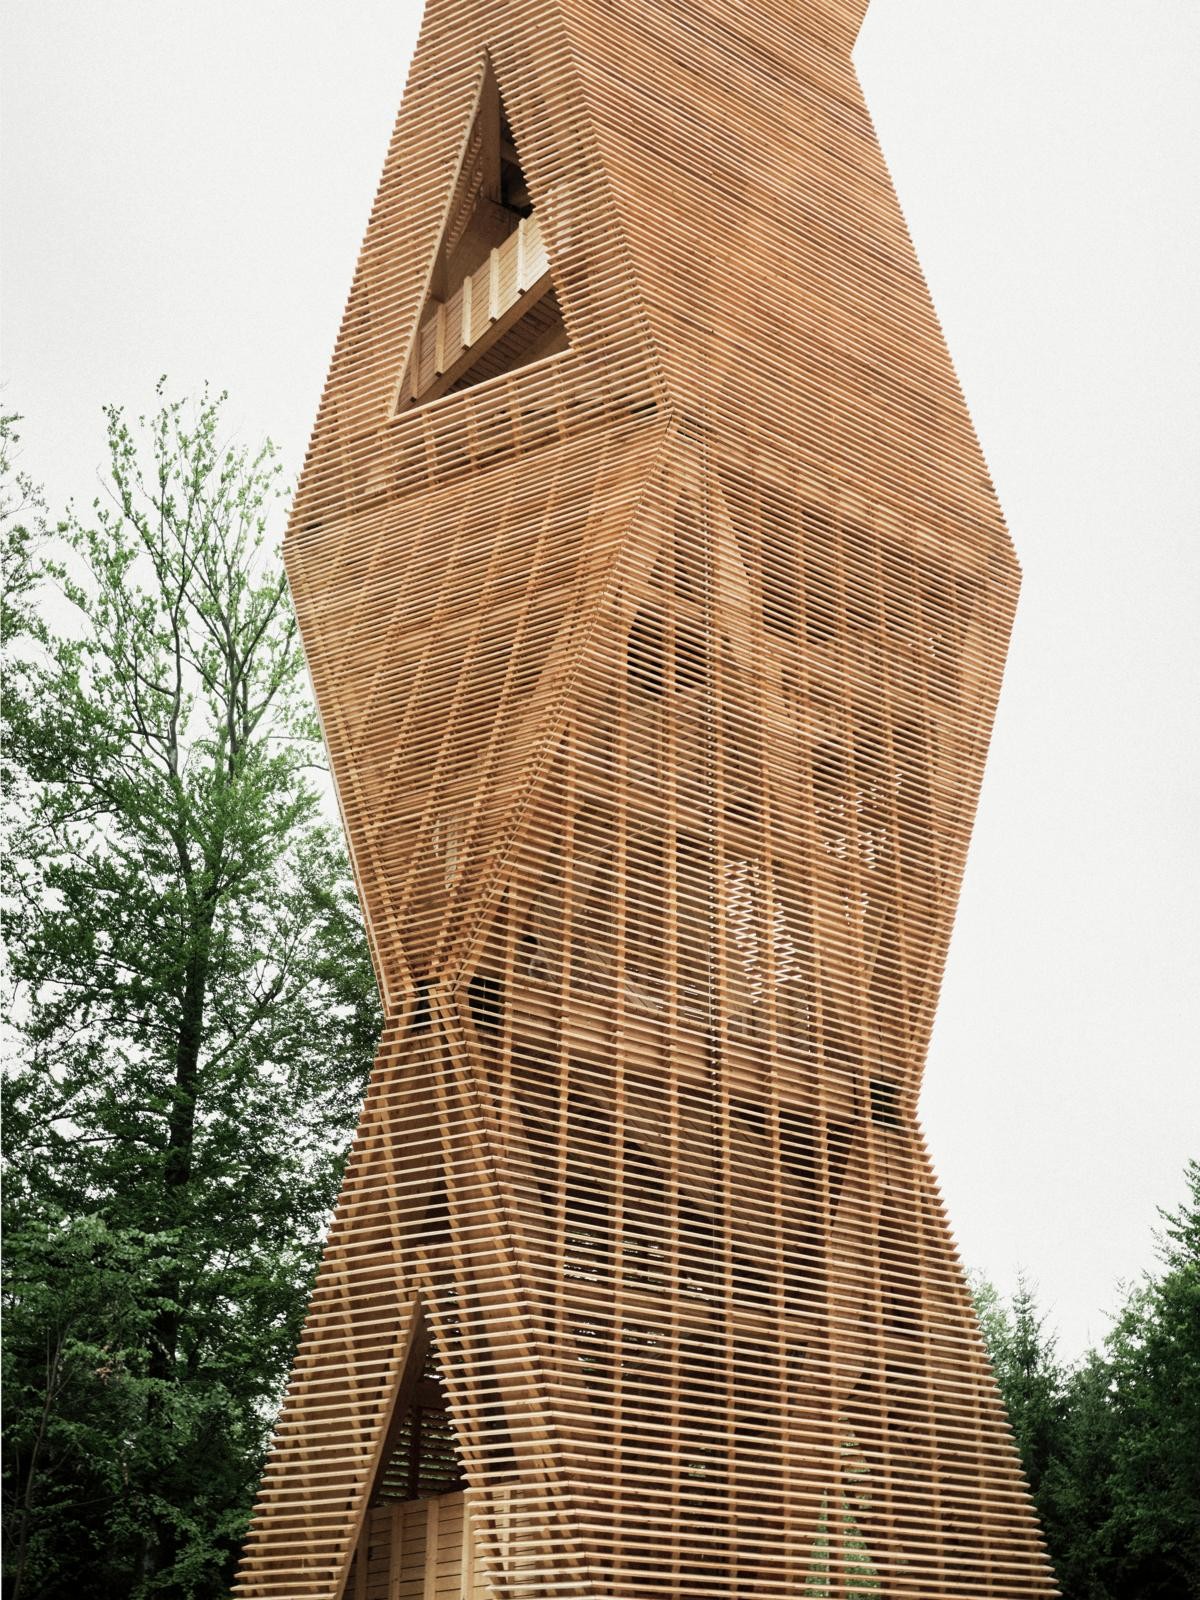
657 636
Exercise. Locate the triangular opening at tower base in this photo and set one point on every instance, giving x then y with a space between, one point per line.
417 1528
421 1456
491 306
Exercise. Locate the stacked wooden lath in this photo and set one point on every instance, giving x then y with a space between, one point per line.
656 599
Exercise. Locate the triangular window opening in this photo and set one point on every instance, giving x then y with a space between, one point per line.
416 1531
421 1457
491 306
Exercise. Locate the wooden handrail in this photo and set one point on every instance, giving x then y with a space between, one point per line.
457 331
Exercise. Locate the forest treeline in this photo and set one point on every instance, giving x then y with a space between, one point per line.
191 1018
1111 1444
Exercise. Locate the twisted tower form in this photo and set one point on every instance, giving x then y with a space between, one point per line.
656 598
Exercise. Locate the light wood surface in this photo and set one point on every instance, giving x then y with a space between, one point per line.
417 1550
656 599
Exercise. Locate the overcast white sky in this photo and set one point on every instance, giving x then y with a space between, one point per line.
184 190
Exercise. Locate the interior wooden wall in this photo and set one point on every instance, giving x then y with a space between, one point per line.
657 677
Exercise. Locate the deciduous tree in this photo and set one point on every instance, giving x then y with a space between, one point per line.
195 1013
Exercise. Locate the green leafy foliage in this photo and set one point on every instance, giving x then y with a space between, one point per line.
1154 1356
23 535
1111 1446
194 1013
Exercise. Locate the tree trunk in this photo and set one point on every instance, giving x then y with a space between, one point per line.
52 1375
160 1548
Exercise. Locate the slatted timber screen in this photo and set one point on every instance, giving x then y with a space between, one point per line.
417 1550
657 641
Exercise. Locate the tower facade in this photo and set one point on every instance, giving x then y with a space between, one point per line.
656 599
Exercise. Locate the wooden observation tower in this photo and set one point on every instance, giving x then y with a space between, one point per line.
656 598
